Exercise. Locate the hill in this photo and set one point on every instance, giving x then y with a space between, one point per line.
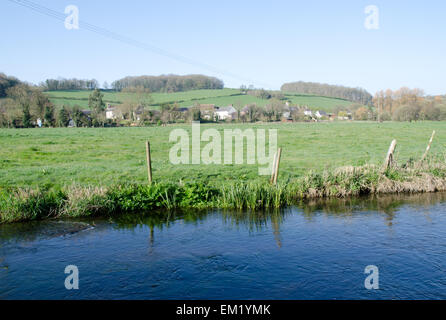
357 95
219 97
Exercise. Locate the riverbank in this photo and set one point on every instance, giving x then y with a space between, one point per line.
26 204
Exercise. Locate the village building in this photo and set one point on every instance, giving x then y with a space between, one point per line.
225 113
110 113
308 112
320 114
207 111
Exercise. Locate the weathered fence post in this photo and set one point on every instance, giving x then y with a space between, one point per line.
276 167
273 169
389 157
428 146
149 161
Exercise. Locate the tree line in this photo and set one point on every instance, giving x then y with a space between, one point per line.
69 84
407 104
7 82
358 95
169 83
26 106
23 105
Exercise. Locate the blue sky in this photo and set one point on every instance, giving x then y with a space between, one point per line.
264 43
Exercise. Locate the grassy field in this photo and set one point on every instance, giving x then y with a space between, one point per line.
106 156
222 97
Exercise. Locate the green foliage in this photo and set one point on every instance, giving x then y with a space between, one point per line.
7 82
17 204
63 117
27 204
49 115
95 101
169 83
26 117
102 156
352 94
219 97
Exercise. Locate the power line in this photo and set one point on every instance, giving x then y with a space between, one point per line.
129 41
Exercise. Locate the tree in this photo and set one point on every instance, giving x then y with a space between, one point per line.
63 117
10 115
26 117
362 113
39 103
408 112
429 112
169 83
95 101
69 84
6 83
80 118
97 105
49 116
378 101
21 94
253 112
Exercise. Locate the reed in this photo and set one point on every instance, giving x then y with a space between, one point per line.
23 204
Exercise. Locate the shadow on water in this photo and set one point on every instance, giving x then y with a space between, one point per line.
388 205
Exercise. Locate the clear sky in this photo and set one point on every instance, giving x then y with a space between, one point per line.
264 43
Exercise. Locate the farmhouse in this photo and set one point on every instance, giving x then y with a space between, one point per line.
308 112
110 112
207 111
137 114
320 114
286 116
225 113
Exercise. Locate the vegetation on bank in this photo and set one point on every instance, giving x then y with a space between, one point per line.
23 204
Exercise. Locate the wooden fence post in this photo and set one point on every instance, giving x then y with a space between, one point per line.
428 146
389 158
273 170
276 167
149 161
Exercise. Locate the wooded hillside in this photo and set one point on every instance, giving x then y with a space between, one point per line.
358 95
169 83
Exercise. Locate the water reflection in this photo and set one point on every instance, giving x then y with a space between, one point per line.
316 249
387 205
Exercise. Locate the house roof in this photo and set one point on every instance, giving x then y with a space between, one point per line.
229 109
207 106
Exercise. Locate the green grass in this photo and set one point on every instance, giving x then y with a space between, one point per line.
318 103
24 204
107 156
222 97
78 172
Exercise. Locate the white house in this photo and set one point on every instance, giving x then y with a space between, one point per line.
224 113
308 113
110 112
320 114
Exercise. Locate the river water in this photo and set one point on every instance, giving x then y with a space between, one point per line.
316 250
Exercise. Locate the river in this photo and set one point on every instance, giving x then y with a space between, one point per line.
315 250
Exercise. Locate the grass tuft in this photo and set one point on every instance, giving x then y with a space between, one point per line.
23 204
